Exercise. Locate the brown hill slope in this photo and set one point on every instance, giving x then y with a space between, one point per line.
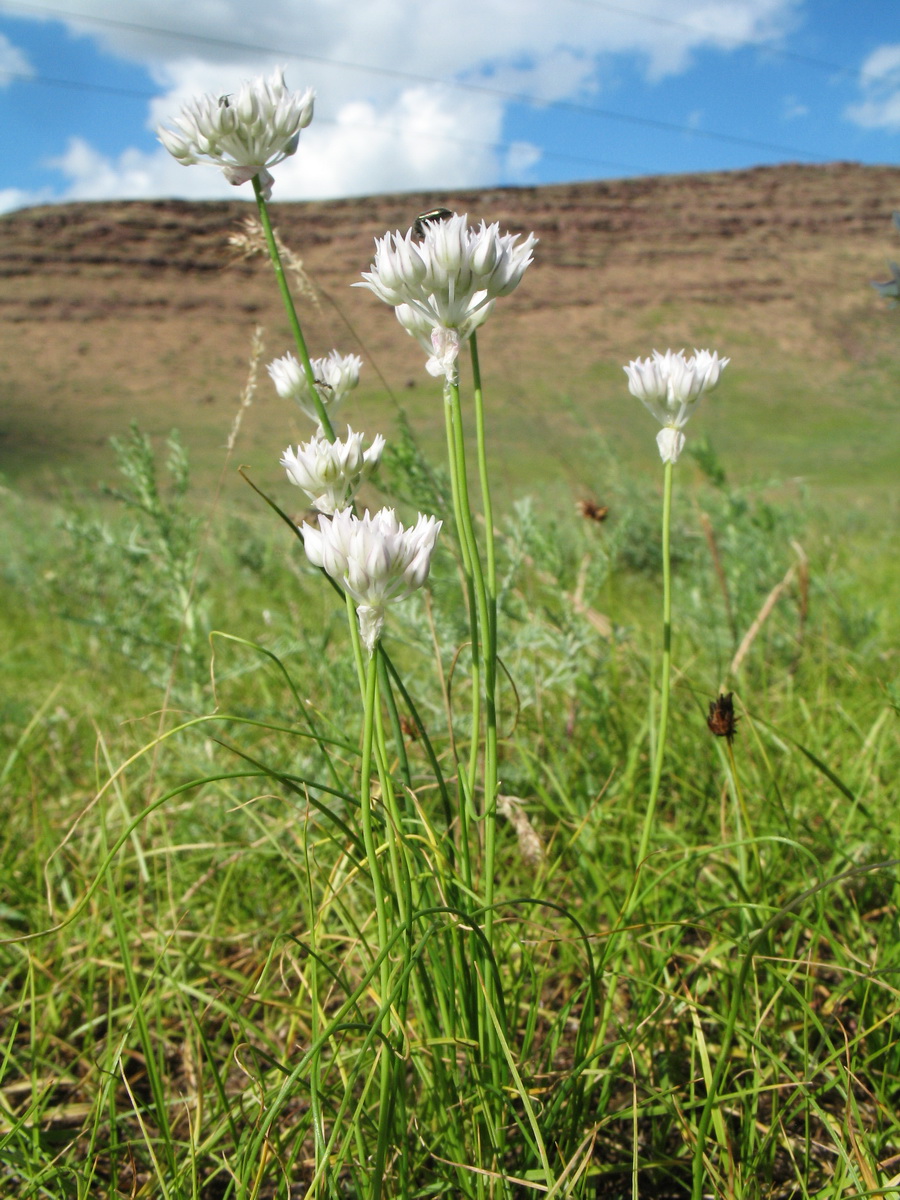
121 310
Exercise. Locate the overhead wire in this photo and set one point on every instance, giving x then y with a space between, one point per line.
805 60
496 147
592 111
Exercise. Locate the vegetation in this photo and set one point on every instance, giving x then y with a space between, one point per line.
495 906
155 1043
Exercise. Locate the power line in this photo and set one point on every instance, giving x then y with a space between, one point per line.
79 85
692 27
410 77
497 147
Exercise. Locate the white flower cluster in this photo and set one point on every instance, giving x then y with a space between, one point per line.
374 559
331 472
448 279
336 376
245 133
670 386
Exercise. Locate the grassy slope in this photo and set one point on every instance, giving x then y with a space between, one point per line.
113 312
211 901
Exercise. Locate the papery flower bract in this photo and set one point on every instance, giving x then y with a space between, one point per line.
331 472
245 133
450 277
336 376
670 385
374 559
445 344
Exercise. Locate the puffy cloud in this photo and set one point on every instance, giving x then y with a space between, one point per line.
880 83
13 62
405 146
792 108
430 39
521 157
11 198
390 112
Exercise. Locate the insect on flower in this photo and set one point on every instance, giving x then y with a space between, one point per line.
721 720
425 218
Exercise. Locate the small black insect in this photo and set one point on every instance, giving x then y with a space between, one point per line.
426 218
721 720
225 101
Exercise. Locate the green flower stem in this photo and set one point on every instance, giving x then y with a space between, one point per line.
665 681
490 554
466 530
384 687
359 657
483 617
294 320
491 768
365 797
628 906
457 492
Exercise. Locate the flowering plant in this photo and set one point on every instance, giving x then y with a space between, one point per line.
670 385
374 559
245 133
331 472
450 277
336 376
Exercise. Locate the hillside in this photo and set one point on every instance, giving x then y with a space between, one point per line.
116 311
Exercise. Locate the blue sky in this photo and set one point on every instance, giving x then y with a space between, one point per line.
428 94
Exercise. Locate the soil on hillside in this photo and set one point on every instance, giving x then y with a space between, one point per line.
111 310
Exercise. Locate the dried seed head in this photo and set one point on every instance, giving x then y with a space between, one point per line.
721 720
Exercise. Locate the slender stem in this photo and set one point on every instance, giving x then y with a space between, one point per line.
384 686
490 653
660 753
744 828
466 530
490 554
658 759
459 491
288 300
484 598
365 796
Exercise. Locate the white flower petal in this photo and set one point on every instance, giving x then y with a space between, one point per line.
670 386
374 559
243 134
449 277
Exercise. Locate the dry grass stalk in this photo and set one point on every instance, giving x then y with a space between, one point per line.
250 241
799 569
257 348
710 534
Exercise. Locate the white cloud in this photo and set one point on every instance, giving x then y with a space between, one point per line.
11 198
521 157
13 62
403 147
390 113
880 83
793 108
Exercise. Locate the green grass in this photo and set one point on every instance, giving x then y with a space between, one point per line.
240 963
194 919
